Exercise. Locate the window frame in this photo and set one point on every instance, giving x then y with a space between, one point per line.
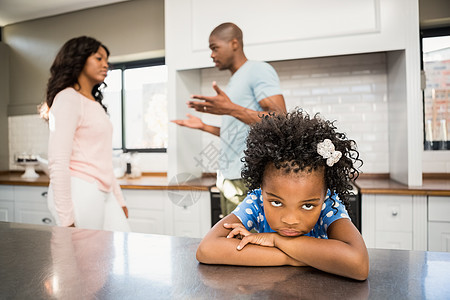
427 33
133 65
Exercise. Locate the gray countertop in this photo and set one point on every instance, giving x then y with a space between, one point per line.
40 262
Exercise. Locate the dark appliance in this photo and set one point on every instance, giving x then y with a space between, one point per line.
354 207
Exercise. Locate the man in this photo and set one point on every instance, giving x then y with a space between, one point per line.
253 90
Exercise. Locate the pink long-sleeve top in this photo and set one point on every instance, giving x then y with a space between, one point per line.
80 145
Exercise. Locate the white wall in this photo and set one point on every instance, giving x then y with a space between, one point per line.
128 29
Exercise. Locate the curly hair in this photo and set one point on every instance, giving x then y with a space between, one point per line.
289 141
67 67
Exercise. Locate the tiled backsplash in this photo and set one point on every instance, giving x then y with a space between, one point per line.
349 89
28 134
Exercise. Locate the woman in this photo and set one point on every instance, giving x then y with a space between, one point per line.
83 190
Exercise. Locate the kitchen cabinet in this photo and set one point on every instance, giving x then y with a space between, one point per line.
394 221
169 212
439 223
161 212
192 220
30 205
6 203
147 211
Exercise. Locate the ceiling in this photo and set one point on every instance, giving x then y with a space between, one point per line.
13 11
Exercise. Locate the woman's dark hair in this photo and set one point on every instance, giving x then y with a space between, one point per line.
67 66
289 141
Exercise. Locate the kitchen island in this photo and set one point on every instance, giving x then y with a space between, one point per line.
44 262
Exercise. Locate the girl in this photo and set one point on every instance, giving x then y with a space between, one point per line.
83 191
299 171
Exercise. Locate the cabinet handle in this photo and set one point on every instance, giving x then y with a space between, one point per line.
394 212
44 194
46 220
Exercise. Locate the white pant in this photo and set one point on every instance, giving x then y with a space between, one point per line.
93 208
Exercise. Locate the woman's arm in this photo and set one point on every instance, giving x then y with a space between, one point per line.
64 119
216 248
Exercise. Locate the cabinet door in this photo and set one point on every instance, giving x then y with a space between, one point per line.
439 223
6 211
170 212
31 205
6 203
35 194
146 221
393 222
33 213
387 221
393 240
439 236
393 213
439 209
187 220
193 219
146 210
6 192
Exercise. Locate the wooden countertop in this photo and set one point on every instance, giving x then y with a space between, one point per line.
150 181
432 185
49 262
13 178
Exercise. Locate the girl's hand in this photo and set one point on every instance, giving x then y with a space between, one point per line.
266 239
238 230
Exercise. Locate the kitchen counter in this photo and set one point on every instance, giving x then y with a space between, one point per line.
41 262
150 181
431 186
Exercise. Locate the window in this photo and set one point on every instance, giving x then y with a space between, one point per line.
136 99
436 67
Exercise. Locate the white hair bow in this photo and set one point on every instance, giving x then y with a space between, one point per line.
327 151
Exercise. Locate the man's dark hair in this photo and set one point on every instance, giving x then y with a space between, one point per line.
227 32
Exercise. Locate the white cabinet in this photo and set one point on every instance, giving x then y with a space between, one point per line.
439 223
193 220
170 212
147 210
31 205
24 204
394 221
6 203
367 27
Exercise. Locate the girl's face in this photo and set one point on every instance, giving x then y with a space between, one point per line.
96 67
292 201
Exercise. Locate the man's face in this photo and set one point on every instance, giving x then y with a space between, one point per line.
222 52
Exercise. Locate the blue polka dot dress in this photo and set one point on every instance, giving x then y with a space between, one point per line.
251 213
